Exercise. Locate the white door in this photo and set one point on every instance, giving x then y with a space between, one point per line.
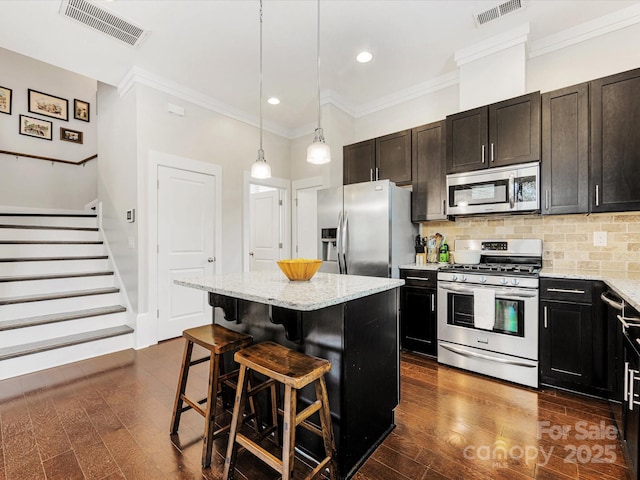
186 232
265 229
306 221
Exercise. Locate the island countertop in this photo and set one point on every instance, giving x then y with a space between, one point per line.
273 288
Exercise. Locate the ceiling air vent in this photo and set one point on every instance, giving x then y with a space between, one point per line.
103 20
498 11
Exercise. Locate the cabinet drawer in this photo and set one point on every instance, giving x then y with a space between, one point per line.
420 278
575 291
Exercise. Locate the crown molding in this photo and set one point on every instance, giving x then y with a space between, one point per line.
140 76
492 45
586 31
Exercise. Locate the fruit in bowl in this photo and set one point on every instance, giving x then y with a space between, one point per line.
299 269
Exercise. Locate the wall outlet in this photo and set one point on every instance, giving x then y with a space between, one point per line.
600 239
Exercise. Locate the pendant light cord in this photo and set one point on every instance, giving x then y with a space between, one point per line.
318 66
260 74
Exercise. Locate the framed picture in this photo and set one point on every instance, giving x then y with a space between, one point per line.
68 135
80 110
6 94
34 127
48 105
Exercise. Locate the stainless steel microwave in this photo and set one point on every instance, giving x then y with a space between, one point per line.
515 188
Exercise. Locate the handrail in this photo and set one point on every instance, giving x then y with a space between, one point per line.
49 159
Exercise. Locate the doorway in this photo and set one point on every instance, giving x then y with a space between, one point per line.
305 217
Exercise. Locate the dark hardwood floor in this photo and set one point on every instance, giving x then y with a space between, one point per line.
108 418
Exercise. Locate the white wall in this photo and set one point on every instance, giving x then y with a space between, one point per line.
36 183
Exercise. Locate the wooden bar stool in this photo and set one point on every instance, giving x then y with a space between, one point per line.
294 370
218 340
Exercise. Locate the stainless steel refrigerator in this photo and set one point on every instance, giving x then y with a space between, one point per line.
365 229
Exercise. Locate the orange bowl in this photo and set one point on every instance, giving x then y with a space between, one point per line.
299 269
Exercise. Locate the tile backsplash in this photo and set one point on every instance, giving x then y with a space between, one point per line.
567 240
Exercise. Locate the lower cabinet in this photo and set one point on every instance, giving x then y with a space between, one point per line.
573 336
418 311
631 404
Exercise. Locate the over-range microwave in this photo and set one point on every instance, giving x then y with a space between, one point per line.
515 188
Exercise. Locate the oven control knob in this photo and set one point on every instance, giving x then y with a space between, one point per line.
454 278
463 278
503 281
483 279
515 281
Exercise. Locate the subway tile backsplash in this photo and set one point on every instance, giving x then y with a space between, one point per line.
567 239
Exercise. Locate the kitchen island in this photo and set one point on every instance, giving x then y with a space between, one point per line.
349 320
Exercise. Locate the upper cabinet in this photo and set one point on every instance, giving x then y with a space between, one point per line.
428 158
359 162
615 142
504 133
565 151
382 158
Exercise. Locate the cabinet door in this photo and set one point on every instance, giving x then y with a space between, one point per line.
418 319
514 131
565 343
428 201
467 137
359 162
631 416
393 158
615 142
565 151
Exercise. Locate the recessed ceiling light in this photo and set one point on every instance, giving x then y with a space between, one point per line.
273 101
364 57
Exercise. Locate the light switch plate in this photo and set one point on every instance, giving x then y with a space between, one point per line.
600 239
131 215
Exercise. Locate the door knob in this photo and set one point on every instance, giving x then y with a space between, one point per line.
251 253
211 259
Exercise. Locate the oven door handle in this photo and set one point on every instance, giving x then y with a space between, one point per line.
491 358
506 293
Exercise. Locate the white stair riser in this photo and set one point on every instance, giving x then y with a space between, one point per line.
62 356
41 234
48 250
32 309
34 287
57 266
37 333
50 221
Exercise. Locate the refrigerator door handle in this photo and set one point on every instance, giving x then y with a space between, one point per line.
339 241
345 241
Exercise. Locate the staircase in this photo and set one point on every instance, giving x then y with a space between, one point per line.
59 298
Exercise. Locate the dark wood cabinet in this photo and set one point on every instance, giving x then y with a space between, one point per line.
428 158
382 158
631 405
393 158
573 336
565 151
359 161
503 133
418 311
615 142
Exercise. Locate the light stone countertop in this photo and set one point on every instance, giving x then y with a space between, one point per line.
273 288
423 266
625 284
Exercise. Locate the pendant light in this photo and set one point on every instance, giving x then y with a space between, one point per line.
318 152
260 168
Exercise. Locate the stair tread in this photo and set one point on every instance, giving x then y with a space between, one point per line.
51 242
50 259
61 342
36 214
47 227
57 296
60 317
53 276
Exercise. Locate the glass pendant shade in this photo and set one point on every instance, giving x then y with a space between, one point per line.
260 168
318 152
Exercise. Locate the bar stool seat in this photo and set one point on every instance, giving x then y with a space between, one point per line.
218 340
294 370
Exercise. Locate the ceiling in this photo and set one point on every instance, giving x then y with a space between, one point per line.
211 47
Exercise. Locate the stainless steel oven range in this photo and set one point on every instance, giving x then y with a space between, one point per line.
488 313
